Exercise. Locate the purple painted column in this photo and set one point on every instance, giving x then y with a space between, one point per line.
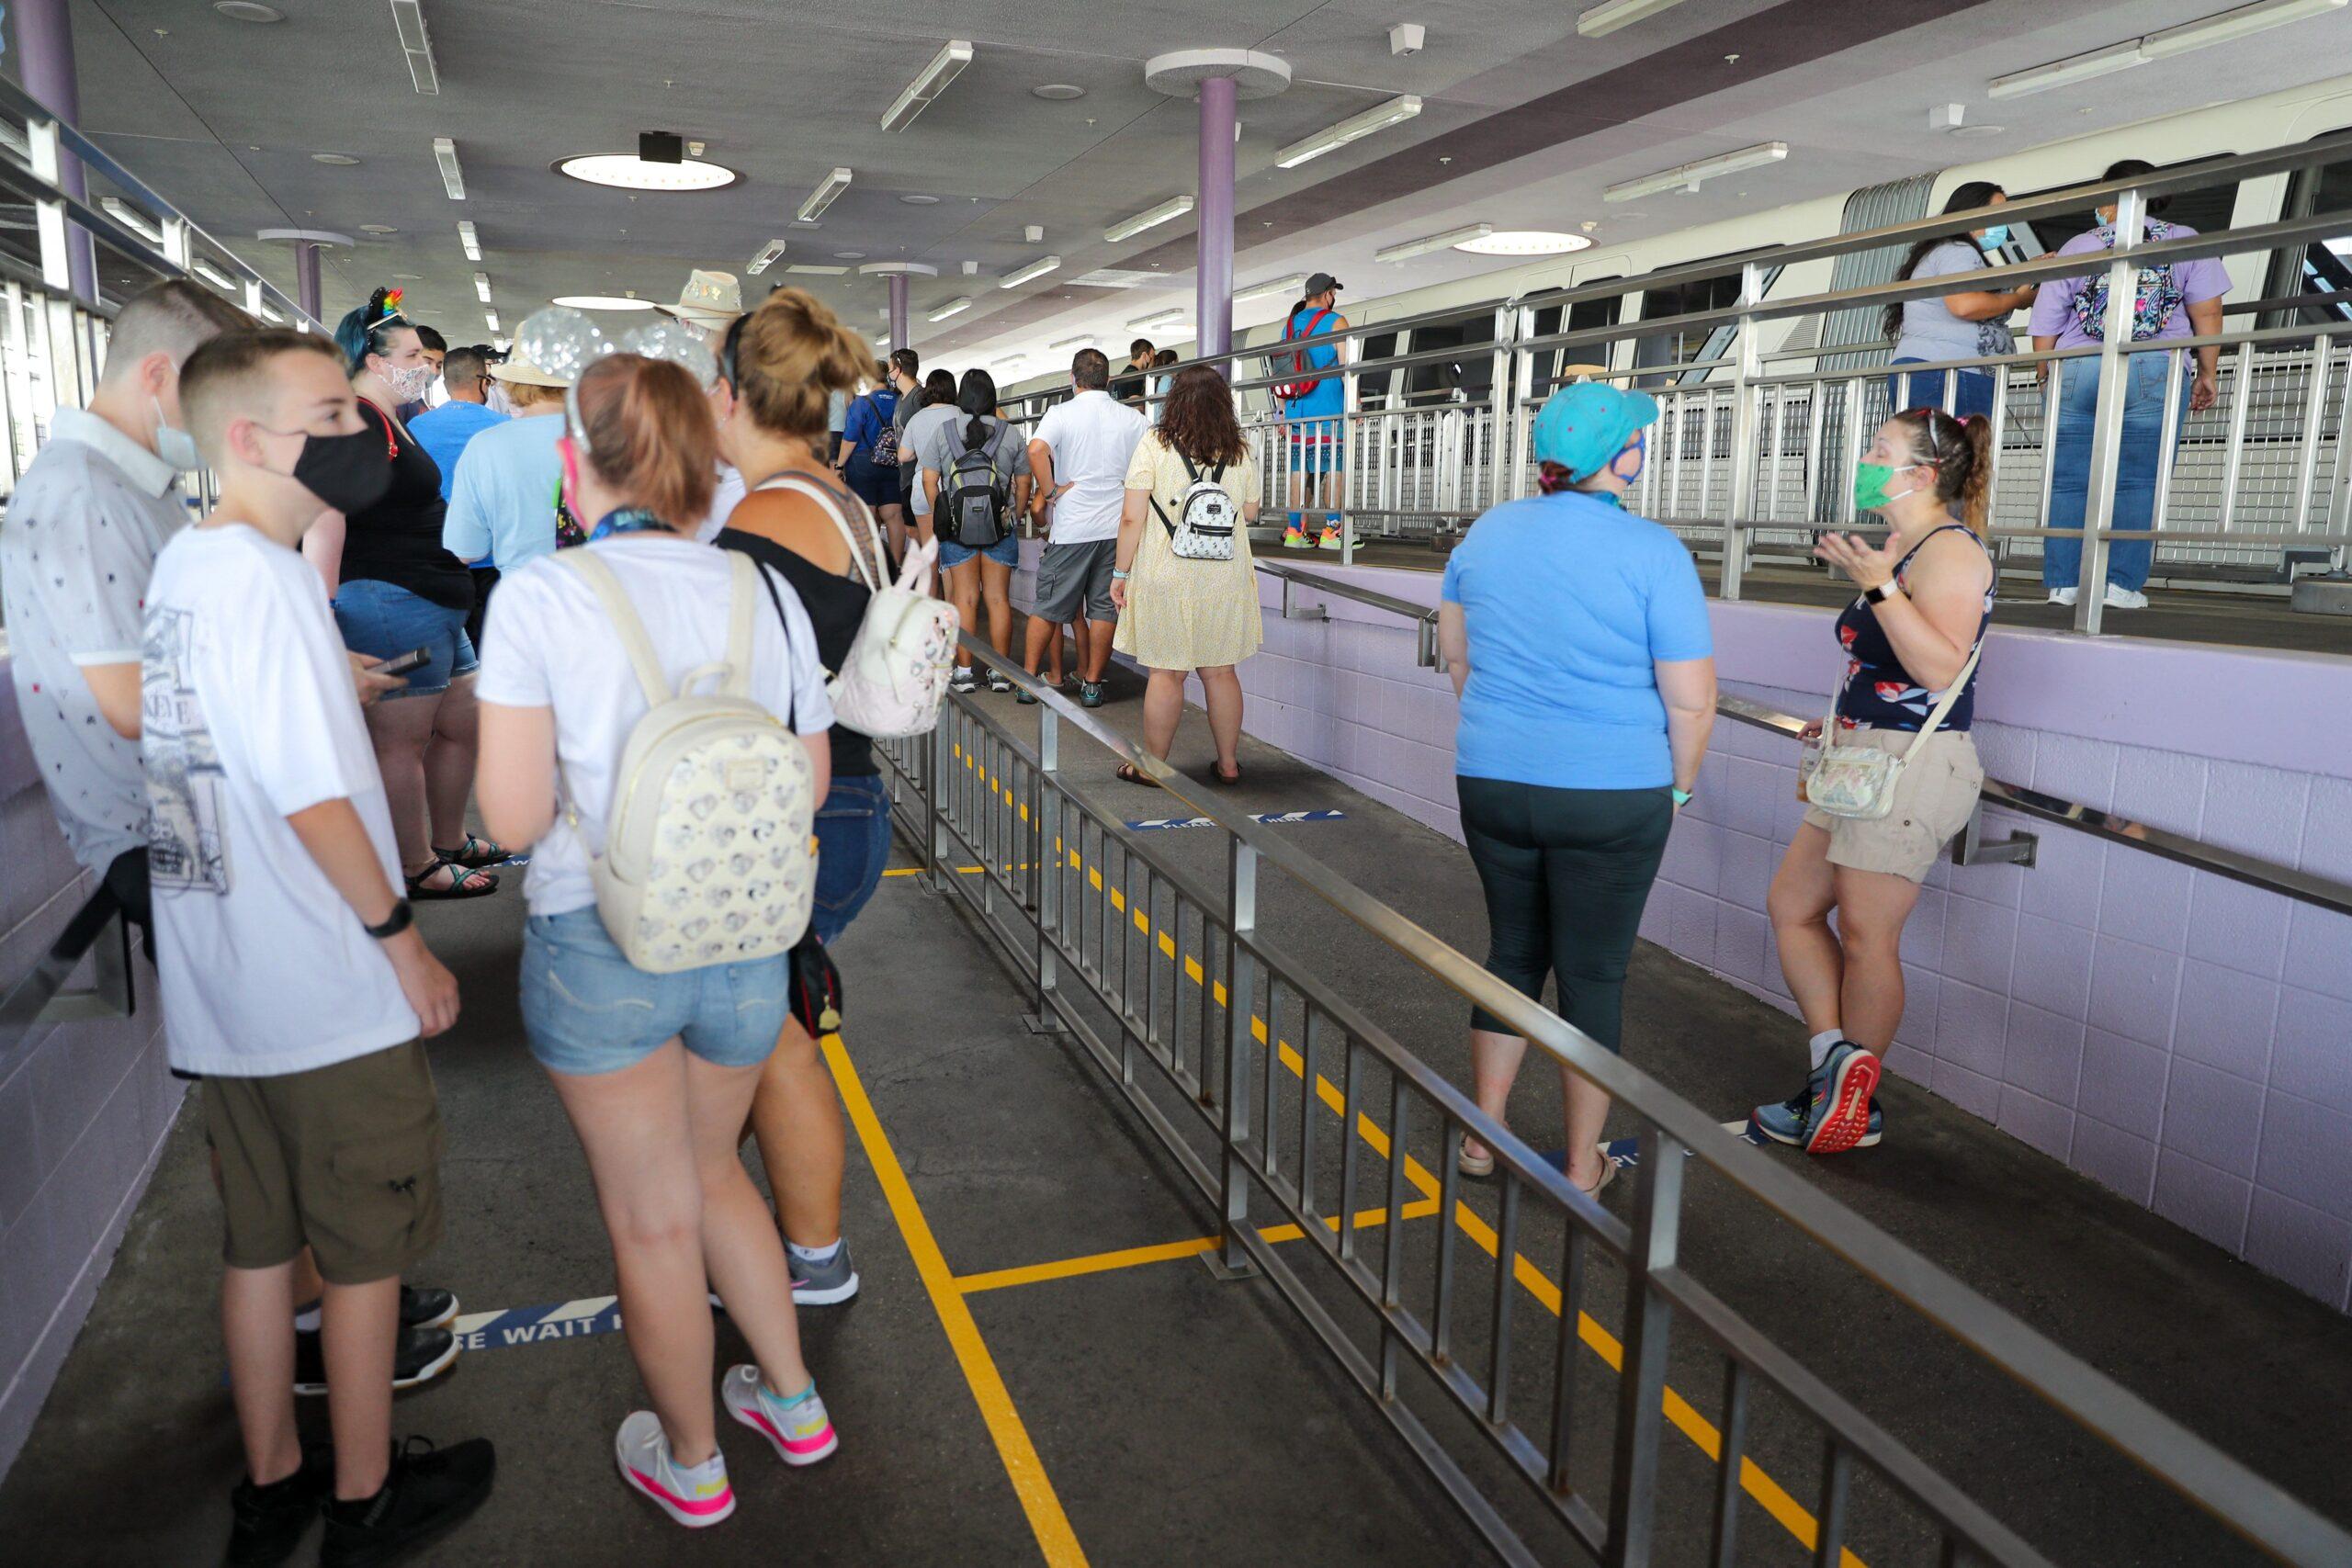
45 39
1213 271
306 276
900 337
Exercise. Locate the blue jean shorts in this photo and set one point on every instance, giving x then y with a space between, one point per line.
383 621
852 846
1004 552
587 1009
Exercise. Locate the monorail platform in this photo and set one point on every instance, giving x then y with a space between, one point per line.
1040 1365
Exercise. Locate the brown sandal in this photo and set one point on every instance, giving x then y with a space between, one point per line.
1130 774
1220 776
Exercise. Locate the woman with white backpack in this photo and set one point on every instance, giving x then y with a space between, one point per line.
776 366
653 722
1184 583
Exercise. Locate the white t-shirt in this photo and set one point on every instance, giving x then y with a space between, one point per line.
550 644
723 503
1093 439
249 717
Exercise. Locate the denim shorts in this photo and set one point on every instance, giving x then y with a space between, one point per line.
587 1009
383 621
852 846
1004 552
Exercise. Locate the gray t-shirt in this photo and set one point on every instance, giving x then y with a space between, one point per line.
915 440
943 443
1931 331
79 544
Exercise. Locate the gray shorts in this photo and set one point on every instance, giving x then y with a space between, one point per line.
1073 576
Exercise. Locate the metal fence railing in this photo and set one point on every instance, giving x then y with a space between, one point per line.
1474 1322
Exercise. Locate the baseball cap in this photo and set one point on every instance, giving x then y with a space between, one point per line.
1321 281
1583 426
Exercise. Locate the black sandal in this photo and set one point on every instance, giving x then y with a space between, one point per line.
1130 774
474 854
465 882
1220 776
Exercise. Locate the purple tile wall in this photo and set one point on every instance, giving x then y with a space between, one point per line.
83 1108
2182 1038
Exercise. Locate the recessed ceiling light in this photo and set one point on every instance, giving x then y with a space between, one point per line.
627 171
340 159
248 11
849 255
1059 92
601 302
1525 242
920 200
1974 131
377 229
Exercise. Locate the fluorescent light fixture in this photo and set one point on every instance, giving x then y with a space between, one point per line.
482 287
1600 21
768 254
1128 228
131 219
408 20
1173 313
490 320
1291 285
272 317
813 269
453 178
952 307
824 195
2065 73
1071 342
1525 242
627 171
1429 242
502 344
1686 176
1035 270
944 67
602 302
212 275
466 238
2229 24
1353 128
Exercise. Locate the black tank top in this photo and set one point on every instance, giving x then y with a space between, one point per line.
397 540
836 607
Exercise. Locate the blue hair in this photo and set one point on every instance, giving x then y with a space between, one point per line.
369 329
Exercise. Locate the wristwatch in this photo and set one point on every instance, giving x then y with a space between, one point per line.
400 920
1882 592
1682 798
1118 576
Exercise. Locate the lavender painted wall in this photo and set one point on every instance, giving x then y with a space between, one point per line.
84 1109
2183 1039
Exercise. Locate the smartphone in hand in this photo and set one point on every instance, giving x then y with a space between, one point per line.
400 664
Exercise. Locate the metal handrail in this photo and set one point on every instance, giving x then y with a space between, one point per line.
2304 887
1658 1283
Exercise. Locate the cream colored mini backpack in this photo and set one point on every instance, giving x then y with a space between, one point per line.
707 856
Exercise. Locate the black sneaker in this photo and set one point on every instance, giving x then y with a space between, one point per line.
964 682
429 1489
998 680
1090 694
266 1523
422 1306
422 1354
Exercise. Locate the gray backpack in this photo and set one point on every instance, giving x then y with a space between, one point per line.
971 506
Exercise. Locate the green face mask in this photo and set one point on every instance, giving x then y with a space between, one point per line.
1869 484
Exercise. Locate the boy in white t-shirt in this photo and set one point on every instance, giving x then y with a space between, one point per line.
292 976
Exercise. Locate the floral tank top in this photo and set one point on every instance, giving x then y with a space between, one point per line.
1878 691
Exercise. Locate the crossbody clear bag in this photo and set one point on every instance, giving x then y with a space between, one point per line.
1859 781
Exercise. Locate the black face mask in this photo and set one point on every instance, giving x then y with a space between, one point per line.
350 473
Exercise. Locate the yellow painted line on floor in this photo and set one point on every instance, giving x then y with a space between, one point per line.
1051 1526
1135 1256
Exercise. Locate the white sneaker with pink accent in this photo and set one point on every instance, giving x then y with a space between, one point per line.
798 1428
696 1495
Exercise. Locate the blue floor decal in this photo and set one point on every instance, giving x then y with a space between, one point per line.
536 1325
1270 817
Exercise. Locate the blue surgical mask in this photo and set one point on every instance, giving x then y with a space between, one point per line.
173 444
1994 236
1641 450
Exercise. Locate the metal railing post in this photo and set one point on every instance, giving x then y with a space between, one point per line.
1501 388
1741 501
1512 445
1231 1261
2107 423
1641 1391
933 825
1351 414
1045 886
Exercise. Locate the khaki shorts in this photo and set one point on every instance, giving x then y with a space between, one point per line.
1933 800
345 1158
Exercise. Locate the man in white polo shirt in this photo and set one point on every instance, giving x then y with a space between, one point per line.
1078 457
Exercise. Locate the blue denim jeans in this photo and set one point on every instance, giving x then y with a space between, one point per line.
2147 443
1925 389
852 846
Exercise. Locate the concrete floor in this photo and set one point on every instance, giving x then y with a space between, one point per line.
1174 1417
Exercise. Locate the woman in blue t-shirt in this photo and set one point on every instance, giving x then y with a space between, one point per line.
1579 645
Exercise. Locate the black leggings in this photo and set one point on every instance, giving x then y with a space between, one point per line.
1567 872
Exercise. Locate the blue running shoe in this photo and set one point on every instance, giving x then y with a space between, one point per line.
1834 1113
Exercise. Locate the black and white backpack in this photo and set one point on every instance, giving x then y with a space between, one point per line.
1206 517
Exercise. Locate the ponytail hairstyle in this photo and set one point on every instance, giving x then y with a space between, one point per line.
645 428
1967 197
1961 450
977 397
369 329
787 358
